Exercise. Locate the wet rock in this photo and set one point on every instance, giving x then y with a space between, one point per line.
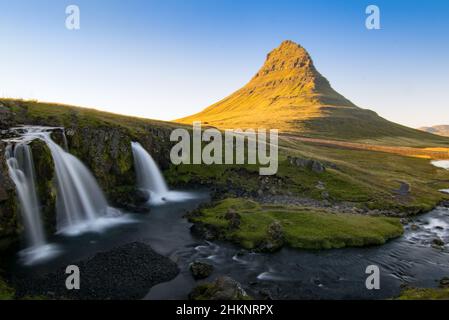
414 227
266 294
208 232
438 242
201 270
444 283
223 288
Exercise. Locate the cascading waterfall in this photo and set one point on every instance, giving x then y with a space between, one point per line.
80 201
21 170
81 205
150 179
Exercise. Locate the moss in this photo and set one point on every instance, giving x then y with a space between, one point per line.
210 291
6 292
424 294
45 183
302 227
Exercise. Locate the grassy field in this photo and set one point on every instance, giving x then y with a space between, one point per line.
424 294
301 227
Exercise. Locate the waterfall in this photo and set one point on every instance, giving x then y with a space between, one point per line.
150 179
80 203
19 159
80 199
21 171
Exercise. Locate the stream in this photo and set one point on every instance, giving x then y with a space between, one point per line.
287 274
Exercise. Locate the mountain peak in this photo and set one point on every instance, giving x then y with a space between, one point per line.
288 57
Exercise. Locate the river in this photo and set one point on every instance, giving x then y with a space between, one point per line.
287 274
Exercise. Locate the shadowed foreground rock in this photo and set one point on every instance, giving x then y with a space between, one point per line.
223 288
126 272
201 270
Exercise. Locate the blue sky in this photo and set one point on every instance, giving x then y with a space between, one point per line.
166 59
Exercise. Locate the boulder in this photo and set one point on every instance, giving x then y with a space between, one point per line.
274 240
438 242
310 164
233 217
201 270
223 288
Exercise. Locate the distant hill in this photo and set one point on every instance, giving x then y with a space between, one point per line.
442 130
289 94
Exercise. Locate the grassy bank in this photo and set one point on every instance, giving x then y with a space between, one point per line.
255 226
6 293
424 294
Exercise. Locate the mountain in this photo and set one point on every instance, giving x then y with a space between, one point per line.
289 94
442 130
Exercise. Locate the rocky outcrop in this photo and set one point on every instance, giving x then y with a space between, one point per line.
201 270
274 240
100 141
310 164
223 288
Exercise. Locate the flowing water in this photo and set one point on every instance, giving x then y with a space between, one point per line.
444 164
21 170
287 274
81 205
150 179
441 164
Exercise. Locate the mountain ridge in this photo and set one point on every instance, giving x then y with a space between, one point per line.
441 130
288 93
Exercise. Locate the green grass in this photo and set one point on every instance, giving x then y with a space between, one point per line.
6 293
68 116
366 178
424 294
304 228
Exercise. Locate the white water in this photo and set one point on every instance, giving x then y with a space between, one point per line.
444 164
81 205
441 164
150 179
21 170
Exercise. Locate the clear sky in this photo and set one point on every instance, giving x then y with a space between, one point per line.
166 59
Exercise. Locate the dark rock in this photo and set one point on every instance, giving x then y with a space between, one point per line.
444 283
233 217
201 270
274 240
404 189
208 232
438 242
126 272
310 164
223 288
317 167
